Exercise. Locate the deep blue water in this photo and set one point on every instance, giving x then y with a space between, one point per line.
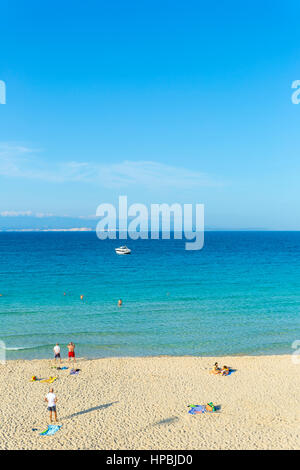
239 295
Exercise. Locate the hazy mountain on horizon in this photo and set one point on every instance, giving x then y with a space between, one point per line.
31 222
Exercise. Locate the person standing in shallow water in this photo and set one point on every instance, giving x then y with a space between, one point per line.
51 399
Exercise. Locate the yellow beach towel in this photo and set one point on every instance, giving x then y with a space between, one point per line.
49 381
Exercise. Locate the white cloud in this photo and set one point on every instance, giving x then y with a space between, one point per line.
21 162
38 215
15 213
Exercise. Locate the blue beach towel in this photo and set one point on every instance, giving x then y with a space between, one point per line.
197 409
51 429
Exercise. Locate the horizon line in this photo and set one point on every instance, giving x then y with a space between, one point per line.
88 229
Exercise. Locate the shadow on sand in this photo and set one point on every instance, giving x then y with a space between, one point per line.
89 410
171 420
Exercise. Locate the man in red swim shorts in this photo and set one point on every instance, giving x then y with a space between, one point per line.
71 348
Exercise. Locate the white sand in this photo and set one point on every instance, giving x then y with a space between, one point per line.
141 403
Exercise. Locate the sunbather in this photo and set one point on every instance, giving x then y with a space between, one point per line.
225 370
215 370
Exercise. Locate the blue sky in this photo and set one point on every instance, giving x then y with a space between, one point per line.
162 101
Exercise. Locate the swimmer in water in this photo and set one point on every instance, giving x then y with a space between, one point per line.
120 303
81 297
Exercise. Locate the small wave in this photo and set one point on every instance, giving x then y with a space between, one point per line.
22 348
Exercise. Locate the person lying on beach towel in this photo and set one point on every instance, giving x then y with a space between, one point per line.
225 370
34 378
200 409
49 381
217 371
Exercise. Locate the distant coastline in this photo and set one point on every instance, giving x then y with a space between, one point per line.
10 222
93 229
82 229
90 229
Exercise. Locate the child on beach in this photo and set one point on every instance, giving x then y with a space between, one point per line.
51 399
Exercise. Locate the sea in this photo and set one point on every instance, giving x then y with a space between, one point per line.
239 295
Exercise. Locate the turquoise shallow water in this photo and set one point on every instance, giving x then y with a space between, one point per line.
239 295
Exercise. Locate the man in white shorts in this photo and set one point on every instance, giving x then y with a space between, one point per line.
56 350
51 399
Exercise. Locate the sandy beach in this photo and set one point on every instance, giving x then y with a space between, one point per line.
141 403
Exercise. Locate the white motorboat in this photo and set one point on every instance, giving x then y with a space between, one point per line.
123 250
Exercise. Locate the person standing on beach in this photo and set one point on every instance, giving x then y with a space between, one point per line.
51 399
71 348
56 350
